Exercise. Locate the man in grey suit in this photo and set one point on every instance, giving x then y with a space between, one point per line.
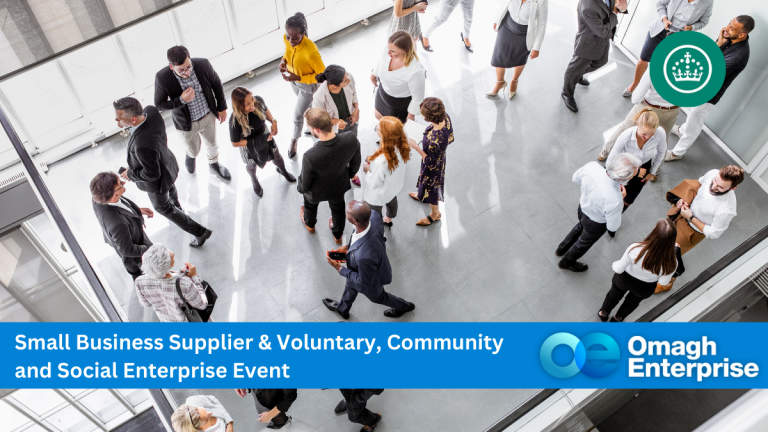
597 23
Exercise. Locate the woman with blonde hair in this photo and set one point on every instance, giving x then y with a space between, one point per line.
248 131
648 141
402 78
202 413
385 168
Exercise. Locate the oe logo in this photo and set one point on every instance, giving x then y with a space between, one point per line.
595 363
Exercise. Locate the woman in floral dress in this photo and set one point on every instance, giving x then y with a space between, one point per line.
437 136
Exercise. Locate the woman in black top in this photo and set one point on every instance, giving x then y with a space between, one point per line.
248 131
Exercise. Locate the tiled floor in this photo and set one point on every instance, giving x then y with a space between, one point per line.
509 202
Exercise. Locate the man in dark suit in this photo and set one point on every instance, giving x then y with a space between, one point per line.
121 220
152 165
193 91
326 170
368 268
354 404
276 401
597 23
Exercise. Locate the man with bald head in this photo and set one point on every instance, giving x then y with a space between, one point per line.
368 268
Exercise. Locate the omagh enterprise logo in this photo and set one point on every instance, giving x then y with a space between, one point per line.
596 355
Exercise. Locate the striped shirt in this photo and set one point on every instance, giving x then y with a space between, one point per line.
161 295
198 107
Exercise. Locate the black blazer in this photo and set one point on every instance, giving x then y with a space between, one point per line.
151 164
367 261
284 397
122 229
596 26
328 166
168 92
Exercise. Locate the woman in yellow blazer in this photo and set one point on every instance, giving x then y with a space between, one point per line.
299 66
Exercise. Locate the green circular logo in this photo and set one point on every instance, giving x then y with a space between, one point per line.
687 69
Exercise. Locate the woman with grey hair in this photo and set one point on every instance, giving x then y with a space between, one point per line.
600 207
156 288
202 413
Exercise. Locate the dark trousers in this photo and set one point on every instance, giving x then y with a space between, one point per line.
376 295
132 266
635 185
580 66
583 235
635 289
391 208
269 399
338 214
167 204
356 408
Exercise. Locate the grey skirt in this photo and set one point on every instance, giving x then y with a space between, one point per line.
511 49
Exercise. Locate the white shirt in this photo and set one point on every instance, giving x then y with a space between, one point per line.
636 270
716 211
520 12
654 148
601 198
645 90
219 426
380 184
122 204
683 14
358 235
401 83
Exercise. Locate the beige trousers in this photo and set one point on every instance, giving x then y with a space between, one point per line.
205 127
667 120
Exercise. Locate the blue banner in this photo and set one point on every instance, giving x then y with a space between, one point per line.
383 355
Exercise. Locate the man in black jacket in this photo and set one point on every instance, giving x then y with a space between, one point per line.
121 220
193 91
276 401
354 404
152 165
326 170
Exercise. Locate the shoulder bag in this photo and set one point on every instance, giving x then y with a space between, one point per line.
192 314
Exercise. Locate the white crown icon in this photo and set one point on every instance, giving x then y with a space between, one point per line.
687 69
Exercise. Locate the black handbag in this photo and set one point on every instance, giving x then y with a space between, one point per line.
192 314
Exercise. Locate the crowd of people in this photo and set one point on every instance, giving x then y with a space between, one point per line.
327 103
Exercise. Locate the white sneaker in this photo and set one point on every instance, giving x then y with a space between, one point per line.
676 131
669 156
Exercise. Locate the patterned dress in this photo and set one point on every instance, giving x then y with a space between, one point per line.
432 177
409 23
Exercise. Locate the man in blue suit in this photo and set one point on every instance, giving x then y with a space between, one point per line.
368 268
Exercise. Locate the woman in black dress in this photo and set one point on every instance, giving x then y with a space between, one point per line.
248 131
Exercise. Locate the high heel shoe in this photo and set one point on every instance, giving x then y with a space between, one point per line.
427 48
512 93
467 47
496 93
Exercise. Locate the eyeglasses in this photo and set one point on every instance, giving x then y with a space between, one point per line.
184 70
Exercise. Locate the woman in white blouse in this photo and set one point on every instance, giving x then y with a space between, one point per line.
647 141
202 413
655 260
385 168
521 26
402 78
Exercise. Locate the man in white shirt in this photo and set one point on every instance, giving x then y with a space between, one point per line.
711 211
600 207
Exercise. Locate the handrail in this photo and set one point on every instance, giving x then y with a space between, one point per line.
649 316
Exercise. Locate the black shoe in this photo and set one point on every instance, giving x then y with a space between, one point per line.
583 81
394 313
282 420
341 407
293 148
560 253
603 318
570 103
467 47
332 305
221 171
427 48
257 187
367 428
190 164
575 267
199 241
288 176
388 224
307 131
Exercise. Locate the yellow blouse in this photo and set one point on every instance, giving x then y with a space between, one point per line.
303 60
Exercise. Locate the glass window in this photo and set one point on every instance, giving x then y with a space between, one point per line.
255 18
205 28
97 74
304 6
70 419
146 45
104 405
42 86
135 396
11 418
39 401
644 15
